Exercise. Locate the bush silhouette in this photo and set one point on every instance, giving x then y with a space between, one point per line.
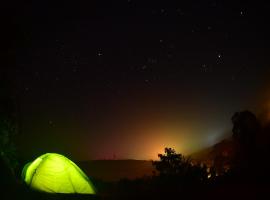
174 166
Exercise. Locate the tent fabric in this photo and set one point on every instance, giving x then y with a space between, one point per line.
54 173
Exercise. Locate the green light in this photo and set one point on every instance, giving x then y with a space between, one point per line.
54 173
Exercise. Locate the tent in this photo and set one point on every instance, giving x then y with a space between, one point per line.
54 173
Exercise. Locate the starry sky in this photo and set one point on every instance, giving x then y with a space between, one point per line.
124 79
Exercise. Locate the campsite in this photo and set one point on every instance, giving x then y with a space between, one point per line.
134 99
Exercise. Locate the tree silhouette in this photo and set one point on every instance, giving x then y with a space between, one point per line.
170 163
248 155
245 128
175 166
8 128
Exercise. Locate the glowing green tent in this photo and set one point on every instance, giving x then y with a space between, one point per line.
55 173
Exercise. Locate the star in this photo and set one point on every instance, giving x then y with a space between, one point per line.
146 80
36 74
180 11
51 123
204 68
170 56
75 62
151 60
171 46
144 67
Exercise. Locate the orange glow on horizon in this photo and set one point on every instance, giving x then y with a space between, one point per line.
149 143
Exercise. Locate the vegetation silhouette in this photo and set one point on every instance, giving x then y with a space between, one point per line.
175 166
8 131
8 126
250 161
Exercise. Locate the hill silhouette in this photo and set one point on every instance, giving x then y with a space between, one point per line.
114 170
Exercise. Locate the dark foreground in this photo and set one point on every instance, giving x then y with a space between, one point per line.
140 190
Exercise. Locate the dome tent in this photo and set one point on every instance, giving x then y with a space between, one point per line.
54 173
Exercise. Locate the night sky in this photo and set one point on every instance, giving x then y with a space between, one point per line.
124 79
